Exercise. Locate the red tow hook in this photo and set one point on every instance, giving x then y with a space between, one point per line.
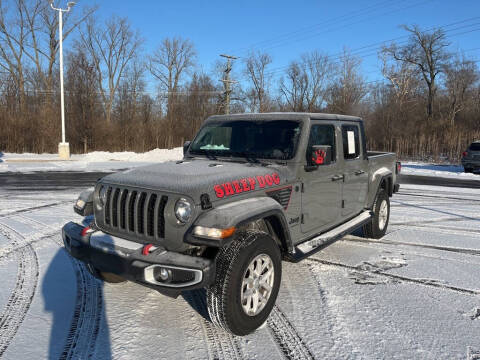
85 230
146 249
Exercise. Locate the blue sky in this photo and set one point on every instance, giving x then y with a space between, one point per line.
287 29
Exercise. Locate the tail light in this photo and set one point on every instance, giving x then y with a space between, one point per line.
464 154
398 168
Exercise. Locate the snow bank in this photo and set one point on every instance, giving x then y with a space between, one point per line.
426 169
94 161
155 155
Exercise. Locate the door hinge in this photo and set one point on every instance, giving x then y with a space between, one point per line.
302 219
343 204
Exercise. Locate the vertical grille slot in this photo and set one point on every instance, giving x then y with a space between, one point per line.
123 205
116 193
151 214
107 206
140 212
161 217
133 212
131 208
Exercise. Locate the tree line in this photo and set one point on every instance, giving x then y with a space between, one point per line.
426 106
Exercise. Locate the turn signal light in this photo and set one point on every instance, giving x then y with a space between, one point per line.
213 233
464 154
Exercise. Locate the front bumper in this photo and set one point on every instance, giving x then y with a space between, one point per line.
124 258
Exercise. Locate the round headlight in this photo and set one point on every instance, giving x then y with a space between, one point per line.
102 195
183 210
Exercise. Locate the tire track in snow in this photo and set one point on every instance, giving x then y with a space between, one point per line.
87 315
26 210
474 252
286 336
419 281
221 345
22 295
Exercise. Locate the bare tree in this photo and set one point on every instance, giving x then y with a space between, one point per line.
427 51
112 47
403 78
14 34
255 71
460 77
293 87
168 64
349 87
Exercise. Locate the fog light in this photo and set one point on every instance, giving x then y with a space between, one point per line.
162 274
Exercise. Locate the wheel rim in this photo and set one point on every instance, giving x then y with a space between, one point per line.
383 215
257 284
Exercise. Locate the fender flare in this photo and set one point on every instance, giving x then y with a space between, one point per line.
239 213
378 178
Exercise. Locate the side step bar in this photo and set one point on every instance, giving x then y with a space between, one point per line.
319 242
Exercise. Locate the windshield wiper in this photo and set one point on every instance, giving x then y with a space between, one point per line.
250 157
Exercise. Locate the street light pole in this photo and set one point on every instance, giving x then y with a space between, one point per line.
63 147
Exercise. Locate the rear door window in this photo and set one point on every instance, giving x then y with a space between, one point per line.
351 141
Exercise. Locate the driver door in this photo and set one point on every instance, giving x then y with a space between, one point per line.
322 188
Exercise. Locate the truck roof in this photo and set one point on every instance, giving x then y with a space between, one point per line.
285 116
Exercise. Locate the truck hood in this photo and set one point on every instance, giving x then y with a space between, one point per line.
196 177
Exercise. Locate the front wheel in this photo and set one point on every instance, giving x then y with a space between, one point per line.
381 215
246 285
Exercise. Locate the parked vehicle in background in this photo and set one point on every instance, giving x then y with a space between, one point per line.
471 158
251 191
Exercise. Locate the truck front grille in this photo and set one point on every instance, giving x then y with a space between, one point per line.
133 212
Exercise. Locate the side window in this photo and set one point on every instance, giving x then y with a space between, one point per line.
323 135
351 141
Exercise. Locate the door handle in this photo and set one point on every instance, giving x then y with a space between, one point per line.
359 172
337 177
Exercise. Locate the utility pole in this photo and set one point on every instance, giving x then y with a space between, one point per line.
226 81
63 147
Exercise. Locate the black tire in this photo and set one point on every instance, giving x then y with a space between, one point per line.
373 229
224 296
468 170
105 276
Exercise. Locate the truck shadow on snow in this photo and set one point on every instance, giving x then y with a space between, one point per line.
197 299
79 325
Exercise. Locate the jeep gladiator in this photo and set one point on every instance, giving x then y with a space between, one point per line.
251 190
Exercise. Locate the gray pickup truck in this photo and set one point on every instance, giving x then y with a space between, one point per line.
252 190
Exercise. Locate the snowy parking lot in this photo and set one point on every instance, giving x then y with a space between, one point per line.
415 294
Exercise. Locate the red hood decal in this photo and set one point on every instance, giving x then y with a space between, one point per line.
246 184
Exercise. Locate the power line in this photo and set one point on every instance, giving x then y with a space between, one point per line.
370 52
276 43
312 27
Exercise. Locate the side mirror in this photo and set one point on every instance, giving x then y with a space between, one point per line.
319 155
186 145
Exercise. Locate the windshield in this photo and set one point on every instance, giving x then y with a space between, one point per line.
275 139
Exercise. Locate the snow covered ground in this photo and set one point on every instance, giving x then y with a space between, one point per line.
415 294
427 169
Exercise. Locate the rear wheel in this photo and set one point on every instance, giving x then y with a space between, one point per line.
468 170
247 281
105 276
381 215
